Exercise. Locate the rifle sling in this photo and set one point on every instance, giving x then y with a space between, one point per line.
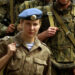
11 11
50 16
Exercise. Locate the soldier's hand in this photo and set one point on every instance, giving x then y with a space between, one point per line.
74 71
11 49
10 28
51 31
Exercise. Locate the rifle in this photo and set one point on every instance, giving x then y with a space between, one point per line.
11 11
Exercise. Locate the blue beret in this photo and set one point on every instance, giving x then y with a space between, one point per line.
30 14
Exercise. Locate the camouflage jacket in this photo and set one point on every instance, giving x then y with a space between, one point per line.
4 17
26 62
60 45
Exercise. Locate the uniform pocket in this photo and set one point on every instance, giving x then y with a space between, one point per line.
15 62
40 65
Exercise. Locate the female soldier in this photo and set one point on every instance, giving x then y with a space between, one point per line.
25 54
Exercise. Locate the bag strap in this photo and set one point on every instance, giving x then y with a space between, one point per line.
26 4
68 33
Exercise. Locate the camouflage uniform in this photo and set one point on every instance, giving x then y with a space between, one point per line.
4 18
26 62
60 45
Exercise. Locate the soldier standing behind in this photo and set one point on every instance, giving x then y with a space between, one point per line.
61 37
24 53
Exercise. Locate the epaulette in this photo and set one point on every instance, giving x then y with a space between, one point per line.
7 39
44 44
48 49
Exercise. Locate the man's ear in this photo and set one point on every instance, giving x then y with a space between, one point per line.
21 21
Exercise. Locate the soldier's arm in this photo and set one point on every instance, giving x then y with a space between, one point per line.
4 60
51 31
6 55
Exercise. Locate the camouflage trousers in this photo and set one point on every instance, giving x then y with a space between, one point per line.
57 71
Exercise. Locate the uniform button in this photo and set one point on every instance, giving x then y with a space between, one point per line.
28 59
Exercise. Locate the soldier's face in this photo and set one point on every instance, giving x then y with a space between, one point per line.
63 2
30 28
